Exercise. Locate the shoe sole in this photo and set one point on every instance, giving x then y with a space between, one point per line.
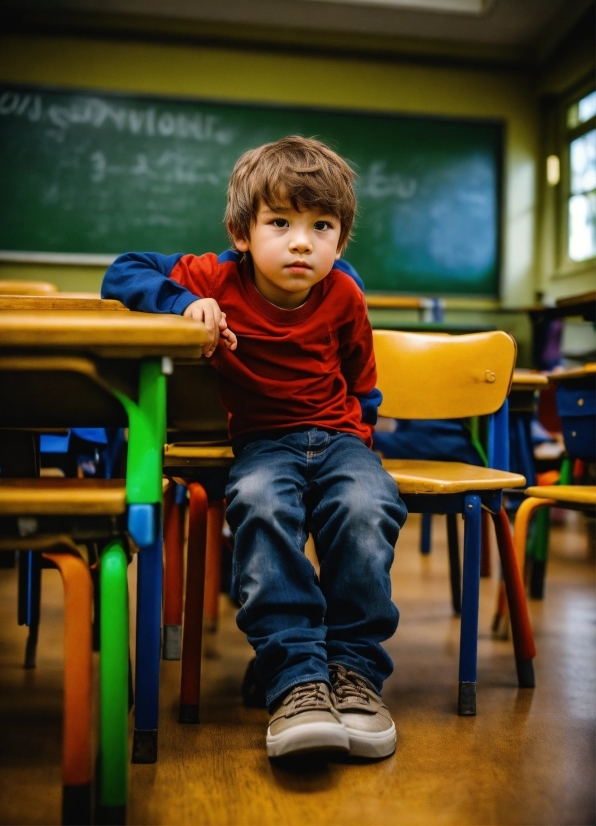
372 744
308 737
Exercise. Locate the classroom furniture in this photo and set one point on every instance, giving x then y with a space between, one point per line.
59 301
571 497
180 153
47 518
198 457
425 377
39 288
108 368
547 326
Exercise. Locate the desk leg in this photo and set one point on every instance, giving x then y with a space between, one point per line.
113 685
148 648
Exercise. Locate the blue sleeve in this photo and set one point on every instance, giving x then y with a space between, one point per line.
141 281
344 266
370 403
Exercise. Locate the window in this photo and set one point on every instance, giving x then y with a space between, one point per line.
581 178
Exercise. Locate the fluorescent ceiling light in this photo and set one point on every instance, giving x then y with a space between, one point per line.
475 7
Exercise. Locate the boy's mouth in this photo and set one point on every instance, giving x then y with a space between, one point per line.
299 266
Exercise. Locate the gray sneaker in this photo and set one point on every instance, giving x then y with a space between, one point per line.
363 713
304 721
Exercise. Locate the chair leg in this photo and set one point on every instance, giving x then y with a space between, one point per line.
77 768
30 565
174 514
425 533
215 520
148 648
192 640
485 561
520 538
538 561
468 650
454 564
113 677
521 630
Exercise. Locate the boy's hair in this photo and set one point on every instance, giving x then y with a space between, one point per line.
302 171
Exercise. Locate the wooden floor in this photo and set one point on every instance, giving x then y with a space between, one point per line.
527 758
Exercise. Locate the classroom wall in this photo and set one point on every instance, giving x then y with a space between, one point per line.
233 74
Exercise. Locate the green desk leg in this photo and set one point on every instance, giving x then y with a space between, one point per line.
113 683
539 553
147 430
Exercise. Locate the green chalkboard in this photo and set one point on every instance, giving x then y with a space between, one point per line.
98 173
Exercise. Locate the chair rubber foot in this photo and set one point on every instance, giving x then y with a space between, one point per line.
172 642
76 804
537 575
466 701
525 673
144 746
189 713
500 627
111 815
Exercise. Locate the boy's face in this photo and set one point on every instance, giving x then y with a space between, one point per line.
291 252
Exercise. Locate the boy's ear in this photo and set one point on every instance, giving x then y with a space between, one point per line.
241 244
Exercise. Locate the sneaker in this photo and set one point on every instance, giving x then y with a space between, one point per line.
363 713
304 721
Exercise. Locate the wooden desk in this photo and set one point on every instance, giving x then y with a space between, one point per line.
27 287
59 301
112 364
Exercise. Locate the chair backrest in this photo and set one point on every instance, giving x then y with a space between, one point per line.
27 287
427 376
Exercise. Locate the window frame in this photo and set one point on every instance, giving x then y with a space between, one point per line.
566 265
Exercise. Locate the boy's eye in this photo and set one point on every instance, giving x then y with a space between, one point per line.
281 223
322 225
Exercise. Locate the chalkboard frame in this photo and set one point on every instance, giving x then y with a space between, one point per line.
91 259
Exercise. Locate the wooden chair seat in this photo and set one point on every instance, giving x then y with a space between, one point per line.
198 455
56 497
575 494
420 476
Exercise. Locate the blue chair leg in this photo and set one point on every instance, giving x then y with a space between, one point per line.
148 649
30 565
425 533
468 650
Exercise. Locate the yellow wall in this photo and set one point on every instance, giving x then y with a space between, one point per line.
232 74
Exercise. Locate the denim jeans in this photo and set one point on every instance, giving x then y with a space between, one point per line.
332 486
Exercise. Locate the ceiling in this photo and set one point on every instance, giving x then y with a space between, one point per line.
514 30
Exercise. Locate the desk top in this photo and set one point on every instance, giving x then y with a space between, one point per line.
106 333
27 287
393 302
59 301
575 373
576 305
527 380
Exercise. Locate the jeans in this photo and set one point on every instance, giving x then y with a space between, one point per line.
332 486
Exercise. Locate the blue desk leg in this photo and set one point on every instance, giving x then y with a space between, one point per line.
468 647
148 651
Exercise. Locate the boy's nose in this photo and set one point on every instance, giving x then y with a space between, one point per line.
300 242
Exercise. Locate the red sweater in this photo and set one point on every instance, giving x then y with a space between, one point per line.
292 368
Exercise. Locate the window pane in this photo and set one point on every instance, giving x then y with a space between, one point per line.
587 107
582 227
582 157
581 111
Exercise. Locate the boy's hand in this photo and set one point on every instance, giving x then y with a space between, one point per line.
208 311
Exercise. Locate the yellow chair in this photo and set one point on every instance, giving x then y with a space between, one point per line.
424 376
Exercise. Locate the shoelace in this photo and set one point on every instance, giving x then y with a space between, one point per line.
309 694
348 688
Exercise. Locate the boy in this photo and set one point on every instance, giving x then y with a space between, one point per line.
297 377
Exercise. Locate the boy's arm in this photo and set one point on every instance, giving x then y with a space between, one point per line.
142 282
